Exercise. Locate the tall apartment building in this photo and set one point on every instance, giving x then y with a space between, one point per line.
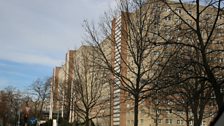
56 79
64 83
118 50
61 86
122 111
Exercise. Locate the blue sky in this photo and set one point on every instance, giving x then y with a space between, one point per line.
36 34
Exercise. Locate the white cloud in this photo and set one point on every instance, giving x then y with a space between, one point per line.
41 31
31 59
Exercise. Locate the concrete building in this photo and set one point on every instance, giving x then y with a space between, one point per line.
167 20
116 49
67 77
61 86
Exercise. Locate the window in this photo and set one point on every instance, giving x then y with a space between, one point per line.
169 121
208 16
203 123
221 26
159 121
219 34
190 12
129 122
222 89
129 113
221 60
182 122
128 105
189 21
143 111
169 103
169 111
218 42
178 121
157 62
178 20
157 111
142 121
178 10
156 53
180 111
168 10
167 18
191 123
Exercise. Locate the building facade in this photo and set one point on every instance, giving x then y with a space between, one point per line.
120 111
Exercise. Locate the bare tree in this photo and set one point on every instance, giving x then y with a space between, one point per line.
188 94
144 27
41 93
157 107
9 105
198 27
66 86
65 97
135 56
90 87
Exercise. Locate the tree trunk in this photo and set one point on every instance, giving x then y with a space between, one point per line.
41 107
218 94
215 85
197 122
187 116
136 111
4 121
87 119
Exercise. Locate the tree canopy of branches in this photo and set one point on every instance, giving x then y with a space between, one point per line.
136 58
10 99
90 89
40 91
198 30
148 37
189 95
